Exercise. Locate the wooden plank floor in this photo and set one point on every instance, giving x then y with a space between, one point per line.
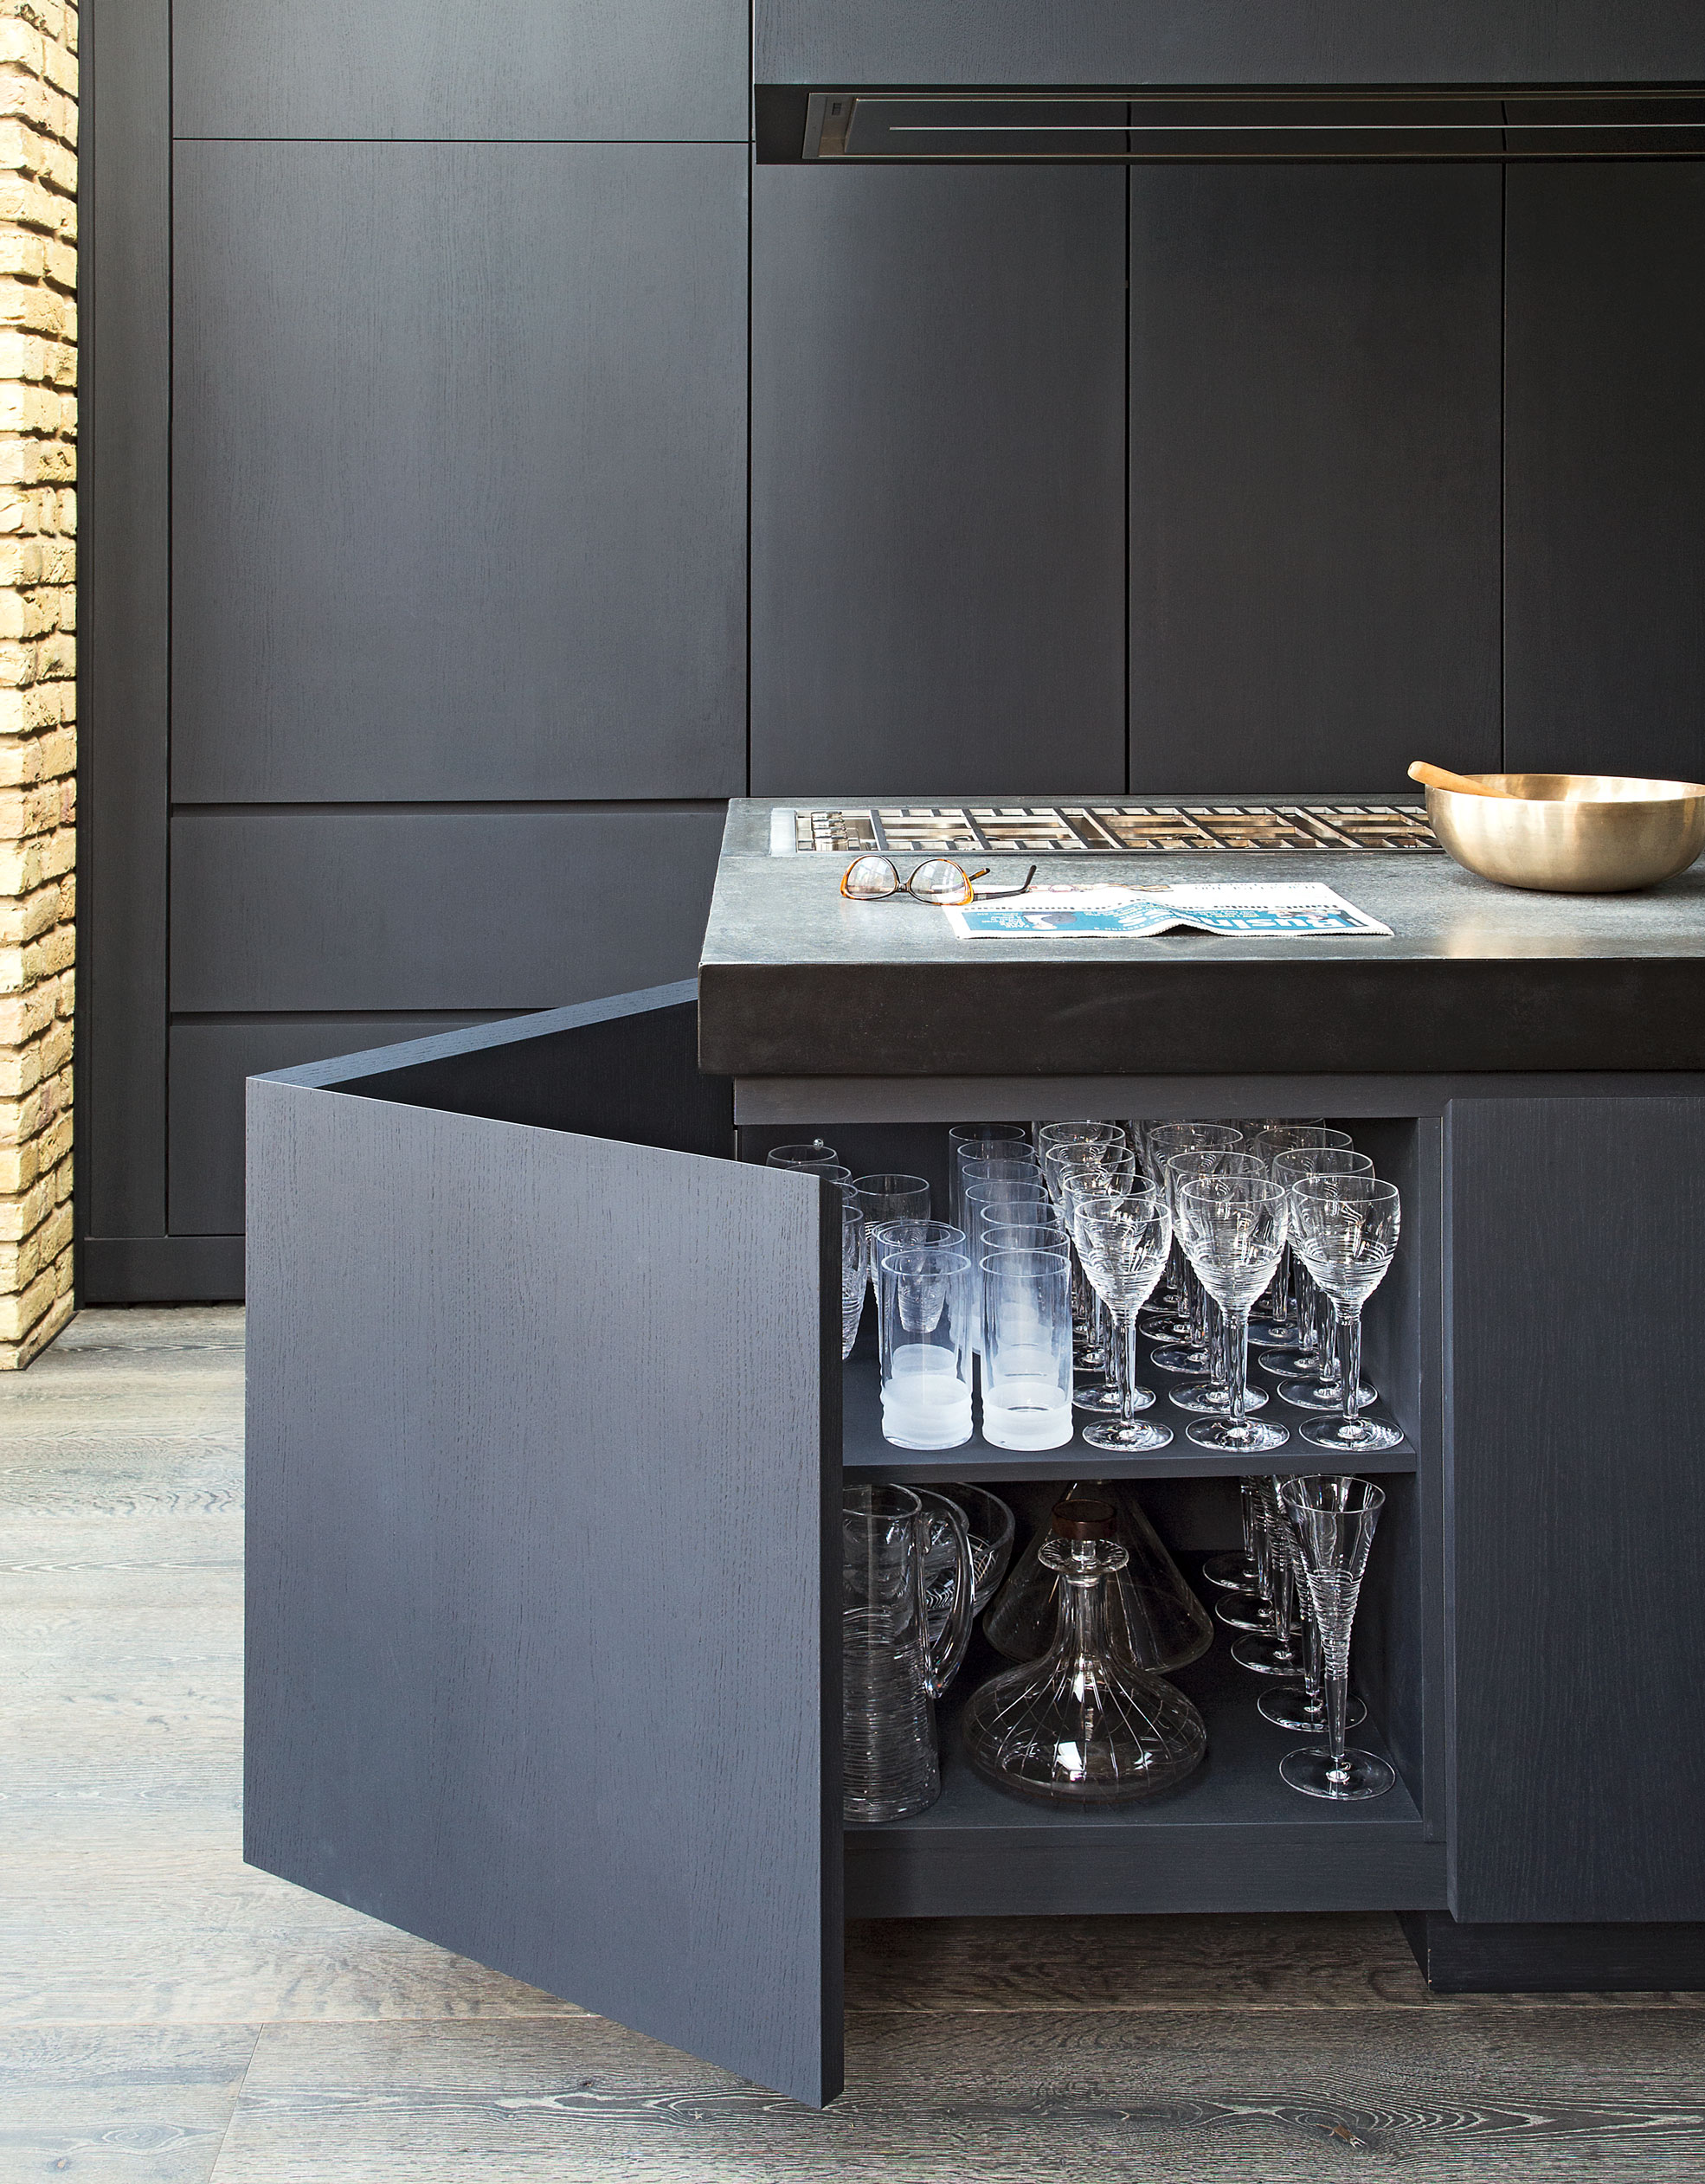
166 2014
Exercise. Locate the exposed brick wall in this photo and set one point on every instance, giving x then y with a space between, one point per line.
38 735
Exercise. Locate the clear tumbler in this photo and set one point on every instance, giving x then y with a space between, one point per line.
924 1320
1027 1349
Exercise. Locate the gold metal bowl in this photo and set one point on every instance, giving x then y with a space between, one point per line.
1572 834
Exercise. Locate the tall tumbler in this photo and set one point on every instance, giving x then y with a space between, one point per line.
924 1328
1027 1349
978 1141
891 1673
1018 1198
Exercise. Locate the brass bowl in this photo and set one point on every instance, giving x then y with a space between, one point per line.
1572 834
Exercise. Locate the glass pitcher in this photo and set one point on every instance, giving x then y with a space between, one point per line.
891 1673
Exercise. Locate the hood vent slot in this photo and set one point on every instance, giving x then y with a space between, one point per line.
999 127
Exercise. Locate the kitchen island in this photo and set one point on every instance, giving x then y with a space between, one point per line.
548 1427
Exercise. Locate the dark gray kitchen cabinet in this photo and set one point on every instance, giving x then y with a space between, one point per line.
459 456
495 69
1578 1273
547 1430
1233 42
1313 474
207 1060
1604 463
538 1658
937 486
466 909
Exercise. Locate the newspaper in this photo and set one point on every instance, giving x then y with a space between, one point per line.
1131 913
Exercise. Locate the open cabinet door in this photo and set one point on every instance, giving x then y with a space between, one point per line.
542 1430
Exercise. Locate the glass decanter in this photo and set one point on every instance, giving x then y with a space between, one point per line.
1153 1620
1081 1726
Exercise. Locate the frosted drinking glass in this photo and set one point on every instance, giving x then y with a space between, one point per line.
1027 1349
924 1322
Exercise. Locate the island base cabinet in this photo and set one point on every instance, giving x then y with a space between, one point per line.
545 1448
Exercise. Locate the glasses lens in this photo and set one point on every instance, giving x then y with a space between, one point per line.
866 879
941 881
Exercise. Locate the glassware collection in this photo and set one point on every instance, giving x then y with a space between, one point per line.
1063 1241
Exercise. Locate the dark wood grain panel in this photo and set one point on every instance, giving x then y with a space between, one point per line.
526 68
1227 42
937 505
465 910
1604 461
123 647
486 538
1313 474
1575 1524
537 1473
209 1063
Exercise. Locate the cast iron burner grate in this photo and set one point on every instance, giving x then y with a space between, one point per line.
926 830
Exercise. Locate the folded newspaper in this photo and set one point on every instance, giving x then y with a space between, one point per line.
1099 913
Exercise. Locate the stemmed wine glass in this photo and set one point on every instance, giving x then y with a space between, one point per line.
1162 1139
1232 1228
1301 1706
1335 1520
1123 1245
1346 1228
854 1273
1110 1170
1281 1326
1209 1397
1314 1362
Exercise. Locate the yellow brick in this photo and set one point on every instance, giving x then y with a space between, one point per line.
19 1215
19 1314
14 1356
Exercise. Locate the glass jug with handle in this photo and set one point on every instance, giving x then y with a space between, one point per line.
891 1673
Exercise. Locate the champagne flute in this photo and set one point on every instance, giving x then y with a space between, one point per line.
1334 1520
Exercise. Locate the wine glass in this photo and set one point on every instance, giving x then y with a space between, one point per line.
1346 1227
1201 1353
1277 1651
1335 1520
1281 1326
854 1273
1166 1323
1109 1170
1232 1228
1301 1707
1314 1363
1123 1245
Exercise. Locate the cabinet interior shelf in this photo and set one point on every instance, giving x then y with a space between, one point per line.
1233 1837
864 1451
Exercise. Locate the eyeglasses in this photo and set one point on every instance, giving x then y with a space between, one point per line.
948 885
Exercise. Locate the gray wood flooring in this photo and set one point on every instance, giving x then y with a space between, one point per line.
166 2014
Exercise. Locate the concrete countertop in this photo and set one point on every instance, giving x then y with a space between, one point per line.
796 982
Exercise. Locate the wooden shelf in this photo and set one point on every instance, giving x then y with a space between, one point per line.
1232 1838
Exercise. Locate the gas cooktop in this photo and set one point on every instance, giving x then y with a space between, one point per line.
1111 828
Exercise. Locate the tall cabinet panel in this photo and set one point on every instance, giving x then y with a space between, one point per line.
640 69
459 471
1313 474
938 488
1605 465
1577 1527
418 396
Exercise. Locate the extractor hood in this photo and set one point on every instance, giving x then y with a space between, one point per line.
994 126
